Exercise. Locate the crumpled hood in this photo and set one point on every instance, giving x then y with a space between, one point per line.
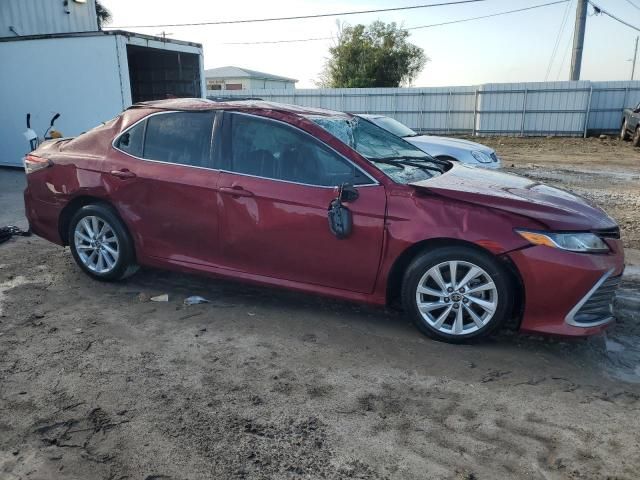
557 209
426 140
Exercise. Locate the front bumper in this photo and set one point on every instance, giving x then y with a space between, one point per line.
568 293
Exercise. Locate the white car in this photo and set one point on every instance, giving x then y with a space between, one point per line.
470 153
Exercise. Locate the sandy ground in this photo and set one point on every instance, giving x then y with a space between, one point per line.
98 382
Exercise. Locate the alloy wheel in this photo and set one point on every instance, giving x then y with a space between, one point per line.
456 297
96 244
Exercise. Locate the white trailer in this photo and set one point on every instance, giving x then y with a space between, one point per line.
87 77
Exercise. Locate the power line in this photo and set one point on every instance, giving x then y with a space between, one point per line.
409 28
599 10
489 16
633 4
262 42
301 17
557 43
564 56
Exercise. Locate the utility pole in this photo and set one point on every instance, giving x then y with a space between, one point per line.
578 39
635 55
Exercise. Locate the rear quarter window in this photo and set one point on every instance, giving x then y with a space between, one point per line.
132 140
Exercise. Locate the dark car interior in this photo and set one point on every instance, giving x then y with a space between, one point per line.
265 148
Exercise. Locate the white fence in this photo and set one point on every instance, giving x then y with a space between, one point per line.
541 108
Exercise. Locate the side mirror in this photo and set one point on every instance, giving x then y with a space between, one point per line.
340 220
348 193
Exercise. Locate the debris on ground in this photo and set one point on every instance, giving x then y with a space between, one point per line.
160 298
195 300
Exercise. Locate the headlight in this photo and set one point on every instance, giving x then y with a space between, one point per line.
481 157
574 242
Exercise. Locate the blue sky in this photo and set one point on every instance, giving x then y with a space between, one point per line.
510 48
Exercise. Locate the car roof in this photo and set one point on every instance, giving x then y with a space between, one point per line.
201 104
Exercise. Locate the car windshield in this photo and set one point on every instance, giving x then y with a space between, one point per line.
393 126
395 157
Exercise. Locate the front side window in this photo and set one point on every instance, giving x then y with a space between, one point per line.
270 149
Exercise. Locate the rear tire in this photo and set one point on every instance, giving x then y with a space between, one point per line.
636 137
624 134
474 304
100 243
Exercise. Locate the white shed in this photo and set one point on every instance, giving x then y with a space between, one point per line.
236 78
88 77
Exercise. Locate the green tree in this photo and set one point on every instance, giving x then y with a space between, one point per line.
104 15
378 55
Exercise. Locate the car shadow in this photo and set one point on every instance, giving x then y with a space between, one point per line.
616 353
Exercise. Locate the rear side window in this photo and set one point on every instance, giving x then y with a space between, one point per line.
131 141
269 149
183 138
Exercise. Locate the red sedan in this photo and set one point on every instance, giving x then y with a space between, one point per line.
329 203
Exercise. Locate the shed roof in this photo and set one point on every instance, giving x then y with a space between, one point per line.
98 33
237 72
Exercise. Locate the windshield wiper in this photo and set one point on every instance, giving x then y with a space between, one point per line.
428 158
402 163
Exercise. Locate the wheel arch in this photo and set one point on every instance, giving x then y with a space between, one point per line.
76 204
399 267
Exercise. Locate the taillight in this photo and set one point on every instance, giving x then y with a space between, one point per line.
33 163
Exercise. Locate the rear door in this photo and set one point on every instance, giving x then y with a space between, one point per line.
160 177
275 188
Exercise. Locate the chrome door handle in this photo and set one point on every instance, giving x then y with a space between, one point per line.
236 191
124 173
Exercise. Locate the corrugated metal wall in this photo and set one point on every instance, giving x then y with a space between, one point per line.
532 108
40 17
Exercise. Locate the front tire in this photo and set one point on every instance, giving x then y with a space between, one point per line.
100 243
624 134
455 294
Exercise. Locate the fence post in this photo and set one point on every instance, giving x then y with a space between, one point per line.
447 126
624 100
395 103
421 114
524 112
586 116
475 112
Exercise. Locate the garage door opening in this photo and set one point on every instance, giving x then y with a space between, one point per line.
157 74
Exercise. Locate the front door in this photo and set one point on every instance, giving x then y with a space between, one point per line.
159 176
274 192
